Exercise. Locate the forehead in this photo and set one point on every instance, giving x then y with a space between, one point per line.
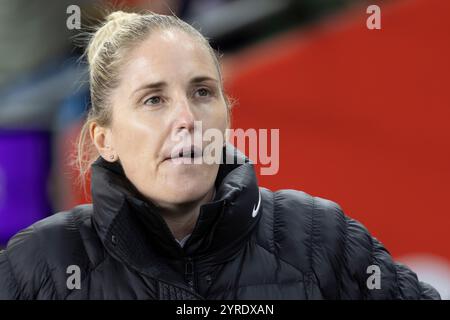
168 55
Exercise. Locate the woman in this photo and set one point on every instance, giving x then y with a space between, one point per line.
159 228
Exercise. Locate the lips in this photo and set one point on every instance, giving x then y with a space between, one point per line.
185 152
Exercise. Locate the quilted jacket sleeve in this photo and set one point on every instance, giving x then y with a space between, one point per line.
377 274
23 270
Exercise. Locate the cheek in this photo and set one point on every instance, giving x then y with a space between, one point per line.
218 119
136 143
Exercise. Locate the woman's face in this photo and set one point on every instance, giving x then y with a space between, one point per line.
169 81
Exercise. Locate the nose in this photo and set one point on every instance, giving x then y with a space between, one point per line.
184 117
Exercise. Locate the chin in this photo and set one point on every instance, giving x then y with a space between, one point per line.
187 188
187 183
188 191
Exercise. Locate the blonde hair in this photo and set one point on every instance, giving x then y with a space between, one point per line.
105 53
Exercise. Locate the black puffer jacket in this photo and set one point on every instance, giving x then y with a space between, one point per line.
294 246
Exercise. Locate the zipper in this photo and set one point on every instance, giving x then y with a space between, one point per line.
190 274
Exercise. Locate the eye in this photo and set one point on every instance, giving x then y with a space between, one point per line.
153 100
203 92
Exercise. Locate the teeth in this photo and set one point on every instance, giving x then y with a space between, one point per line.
189 153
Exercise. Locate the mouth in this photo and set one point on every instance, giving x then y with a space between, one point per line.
185 154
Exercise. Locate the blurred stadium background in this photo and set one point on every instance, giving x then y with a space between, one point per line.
363 114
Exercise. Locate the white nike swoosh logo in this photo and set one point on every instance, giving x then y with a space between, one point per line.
255 210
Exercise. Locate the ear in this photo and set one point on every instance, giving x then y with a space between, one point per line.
103 141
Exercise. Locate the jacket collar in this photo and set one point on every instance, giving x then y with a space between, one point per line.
132 229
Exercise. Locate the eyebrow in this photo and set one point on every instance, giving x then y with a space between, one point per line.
162 84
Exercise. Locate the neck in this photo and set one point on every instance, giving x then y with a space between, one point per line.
181 219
